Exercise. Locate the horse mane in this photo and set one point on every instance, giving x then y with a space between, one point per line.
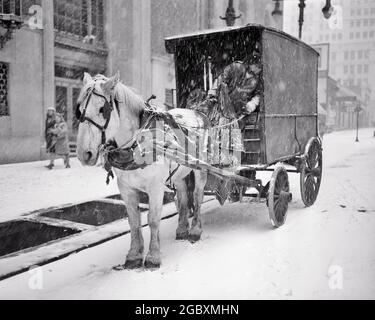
122 93
131 100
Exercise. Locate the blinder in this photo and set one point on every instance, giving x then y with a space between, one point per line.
106 111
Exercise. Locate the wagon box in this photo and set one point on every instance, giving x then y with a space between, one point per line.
284 127
288 114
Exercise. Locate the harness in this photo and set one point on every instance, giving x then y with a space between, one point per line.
106 110
115 156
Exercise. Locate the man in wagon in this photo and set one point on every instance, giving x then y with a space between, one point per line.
234 94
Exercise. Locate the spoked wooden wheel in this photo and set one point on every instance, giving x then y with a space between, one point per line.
278 197
311 172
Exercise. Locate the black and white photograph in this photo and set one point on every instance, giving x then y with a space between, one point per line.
187 150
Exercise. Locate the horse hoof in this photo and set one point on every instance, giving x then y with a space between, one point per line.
151 265
182 236
133 264
194 238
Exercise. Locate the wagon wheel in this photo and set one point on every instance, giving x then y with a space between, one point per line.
278 197
311 172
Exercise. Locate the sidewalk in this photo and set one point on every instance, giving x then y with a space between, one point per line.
26 187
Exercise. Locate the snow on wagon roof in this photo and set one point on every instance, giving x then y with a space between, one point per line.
172 41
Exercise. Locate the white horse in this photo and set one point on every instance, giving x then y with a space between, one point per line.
121 124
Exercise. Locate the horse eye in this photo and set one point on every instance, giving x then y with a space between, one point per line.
101 110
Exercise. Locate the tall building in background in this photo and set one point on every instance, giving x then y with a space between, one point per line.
351 42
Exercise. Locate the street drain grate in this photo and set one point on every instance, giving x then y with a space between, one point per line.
95 213
19 235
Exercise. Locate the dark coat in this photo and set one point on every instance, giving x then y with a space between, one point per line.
239 84
62 143
50 136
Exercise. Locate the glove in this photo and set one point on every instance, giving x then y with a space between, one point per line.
252 105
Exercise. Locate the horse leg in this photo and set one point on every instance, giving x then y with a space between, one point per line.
190 182
196 226
153 259
182 232
134 258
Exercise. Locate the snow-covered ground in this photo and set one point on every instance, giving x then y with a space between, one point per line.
30 186
326 251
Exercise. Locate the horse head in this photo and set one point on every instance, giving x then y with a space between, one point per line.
98 116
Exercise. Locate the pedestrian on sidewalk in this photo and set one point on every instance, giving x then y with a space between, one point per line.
50 136
61 147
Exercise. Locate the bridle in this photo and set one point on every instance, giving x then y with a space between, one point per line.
106 110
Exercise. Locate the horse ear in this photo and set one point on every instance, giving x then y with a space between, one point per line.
111 83
86 78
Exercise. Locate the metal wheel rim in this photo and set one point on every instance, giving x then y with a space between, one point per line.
277 200
311 173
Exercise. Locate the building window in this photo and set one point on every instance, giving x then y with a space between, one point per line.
345 69
352 55
365 68
365 33
360 54
365 23
358 23
26 4
4 108
351 69
371 34
339 36
80 17
11 7
358 35
351 35
346 55
359 68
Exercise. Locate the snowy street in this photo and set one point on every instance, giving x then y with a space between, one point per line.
323 252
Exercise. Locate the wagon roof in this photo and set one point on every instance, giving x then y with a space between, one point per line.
172 42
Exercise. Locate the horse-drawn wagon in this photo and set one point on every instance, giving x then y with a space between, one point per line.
254 91
283 128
